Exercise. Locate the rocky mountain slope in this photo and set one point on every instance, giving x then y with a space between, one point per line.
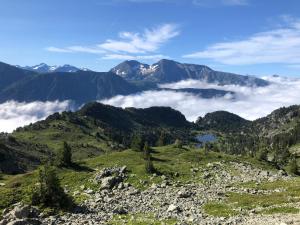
166 71
190 187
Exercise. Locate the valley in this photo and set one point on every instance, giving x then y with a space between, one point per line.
247 175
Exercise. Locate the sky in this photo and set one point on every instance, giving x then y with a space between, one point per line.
242 36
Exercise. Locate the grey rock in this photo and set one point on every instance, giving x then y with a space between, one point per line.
120 210
184 194
173 208
109 182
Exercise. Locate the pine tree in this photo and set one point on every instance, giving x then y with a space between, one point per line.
147 151
149 165
64 156
137 143
162 140
49 193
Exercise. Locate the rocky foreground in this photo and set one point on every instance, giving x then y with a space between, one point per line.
170 202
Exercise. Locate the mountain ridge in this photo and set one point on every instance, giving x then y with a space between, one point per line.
167 71
45 68
80 87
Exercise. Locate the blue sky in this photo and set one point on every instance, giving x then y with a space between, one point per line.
260 37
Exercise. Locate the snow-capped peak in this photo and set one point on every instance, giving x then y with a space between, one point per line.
145 70
44 68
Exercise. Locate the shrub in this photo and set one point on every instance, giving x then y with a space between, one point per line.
49 193
206 148
262 154
178 143
293 167
162 140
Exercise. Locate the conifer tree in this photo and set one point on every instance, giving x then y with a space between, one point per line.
149 165
64 155
49 192
162 140
137 143
147 150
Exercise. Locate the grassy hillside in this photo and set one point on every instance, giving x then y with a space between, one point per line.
94 130
18 156
97 129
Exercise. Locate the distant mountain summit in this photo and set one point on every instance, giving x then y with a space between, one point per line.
44 68
165 71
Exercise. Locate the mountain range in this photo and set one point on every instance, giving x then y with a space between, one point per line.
48 83
44 68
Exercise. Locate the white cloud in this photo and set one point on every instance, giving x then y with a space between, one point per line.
281 45
194 2
60 50
210 3
149 41
129 44
294 66
249 102
76 49
15 114
235 2
135 57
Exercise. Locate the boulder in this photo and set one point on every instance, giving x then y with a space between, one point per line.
109 182
109 176
20 215
184 194
173 208
119 210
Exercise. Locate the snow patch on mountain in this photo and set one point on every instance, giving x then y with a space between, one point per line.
44 68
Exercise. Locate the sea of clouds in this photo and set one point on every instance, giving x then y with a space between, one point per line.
16 114
248 102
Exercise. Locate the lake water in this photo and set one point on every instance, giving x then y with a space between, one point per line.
205 138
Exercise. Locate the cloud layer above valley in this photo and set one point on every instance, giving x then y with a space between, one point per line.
250 103
14 114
